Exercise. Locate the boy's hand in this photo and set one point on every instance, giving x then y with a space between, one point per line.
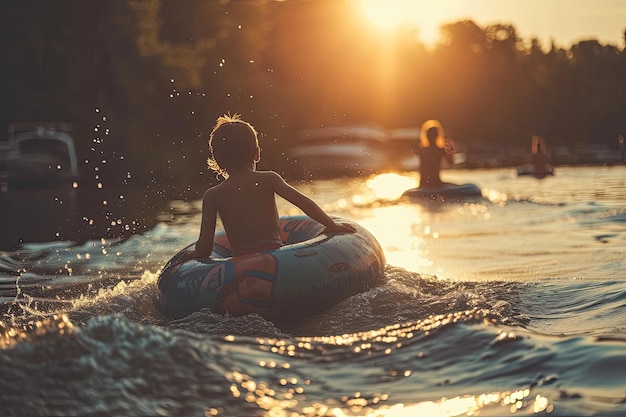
340 228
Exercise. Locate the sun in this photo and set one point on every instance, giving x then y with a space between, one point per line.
386 13
425 16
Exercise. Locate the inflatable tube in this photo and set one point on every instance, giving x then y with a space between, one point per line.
309 274
444 192
529 169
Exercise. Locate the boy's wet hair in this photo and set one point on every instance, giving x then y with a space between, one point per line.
233 143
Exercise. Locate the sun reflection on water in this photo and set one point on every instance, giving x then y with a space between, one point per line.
289 393
401 233
389 186
457 406
400 228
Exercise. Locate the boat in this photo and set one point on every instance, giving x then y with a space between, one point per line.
444 192
329 152
309 274
38 154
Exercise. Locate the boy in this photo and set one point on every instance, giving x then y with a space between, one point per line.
245 200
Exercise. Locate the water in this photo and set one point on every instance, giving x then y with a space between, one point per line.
514 304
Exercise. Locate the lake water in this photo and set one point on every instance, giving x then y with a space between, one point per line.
510 304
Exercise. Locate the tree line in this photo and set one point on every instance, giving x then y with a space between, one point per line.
144 80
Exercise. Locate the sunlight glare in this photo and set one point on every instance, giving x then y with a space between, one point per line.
446 407
389 186
399 231
424 16
386 13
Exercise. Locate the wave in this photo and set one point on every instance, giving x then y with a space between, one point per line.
548 306
467 361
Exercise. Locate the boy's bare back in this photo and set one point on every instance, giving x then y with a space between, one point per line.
246 205
245 200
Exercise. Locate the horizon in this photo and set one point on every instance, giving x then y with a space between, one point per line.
562 22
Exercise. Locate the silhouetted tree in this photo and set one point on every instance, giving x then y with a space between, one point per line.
146 79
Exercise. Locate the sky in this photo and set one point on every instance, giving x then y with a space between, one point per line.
565 22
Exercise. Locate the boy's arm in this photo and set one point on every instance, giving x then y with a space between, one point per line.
204 245
308 206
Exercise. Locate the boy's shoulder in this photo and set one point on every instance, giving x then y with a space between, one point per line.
253 176
267 173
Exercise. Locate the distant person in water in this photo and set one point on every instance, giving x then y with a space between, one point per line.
540 159
245 200
432 148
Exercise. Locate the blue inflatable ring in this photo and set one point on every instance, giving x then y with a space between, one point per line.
309 274
444 192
